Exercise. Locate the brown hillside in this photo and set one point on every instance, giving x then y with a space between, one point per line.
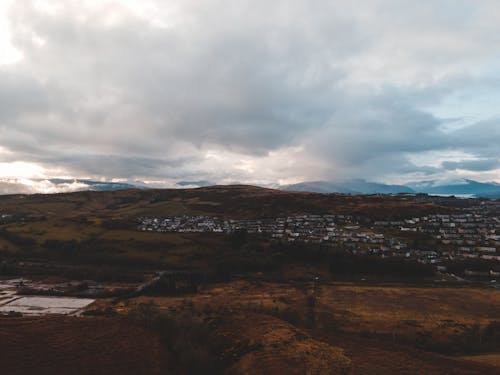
81 346
234 201
264 344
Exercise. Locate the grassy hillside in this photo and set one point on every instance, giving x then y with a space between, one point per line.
248 304
235 201
101 227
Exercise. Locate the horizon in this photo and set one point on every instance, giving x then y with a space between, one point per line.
388 91
450 188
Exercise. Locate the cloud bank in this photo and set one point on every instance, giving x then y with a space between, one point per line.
249 91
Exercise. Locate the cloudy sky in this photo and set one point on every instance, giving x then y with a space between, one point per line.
250 91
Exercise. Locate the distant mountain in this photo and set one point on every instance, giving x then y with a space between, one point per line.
355 186
201 183
461 187
464 187
95 185
359 186
318 187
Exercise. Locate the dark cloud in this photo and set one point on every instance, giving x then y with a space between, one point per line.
120 165
481 139
20 95
473 165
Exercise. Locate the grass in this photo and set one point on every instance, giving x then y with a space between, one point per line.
62 345
443 319
488 359
280 325
62 230
357 309
82 216
360 320
464 304
167 238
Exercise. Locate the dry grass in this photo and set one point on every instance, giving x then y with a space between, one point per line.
488 359
267 345
62 230
354 310
69 345
232 201
405 313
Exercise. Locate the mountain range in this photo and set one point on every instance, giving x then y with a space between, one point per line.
355 186
461 188
94 185
465 187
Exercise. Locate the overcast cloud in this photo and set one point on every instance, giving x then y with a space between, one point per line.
249 91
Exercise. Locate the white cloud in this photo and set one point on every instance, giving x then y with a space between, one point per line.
20 169
8 53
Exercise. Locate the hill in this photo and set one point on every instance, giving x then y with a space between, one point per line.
231 201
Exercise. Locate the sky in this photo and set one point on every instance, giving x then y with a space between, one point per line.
258 92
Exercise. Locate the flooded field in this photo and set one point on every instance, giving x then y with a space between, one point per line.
11 302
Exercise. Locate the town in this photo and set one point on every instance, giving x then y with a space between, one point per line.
469 234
